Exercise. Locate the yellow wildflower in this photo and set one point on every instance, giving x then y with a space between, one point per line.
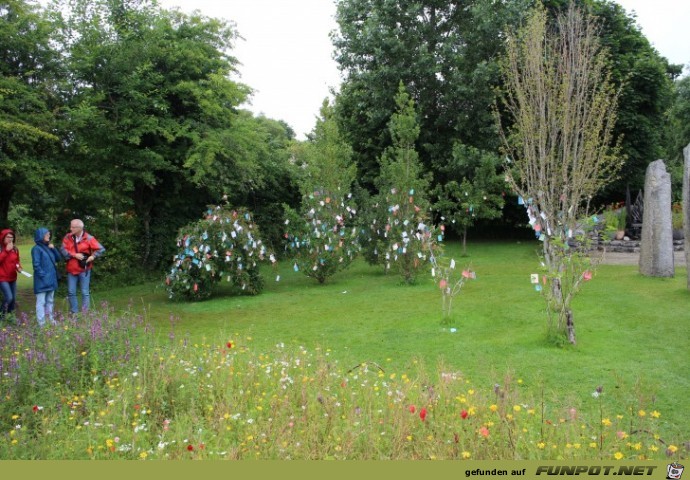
466 455
656 414
493 408
606 422
618 455
641 413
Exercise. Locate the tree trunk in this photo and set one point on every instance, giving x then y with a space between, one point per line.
6 193
570 326
464 242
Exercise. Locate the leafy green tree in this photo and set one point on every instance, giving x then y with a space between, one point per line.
322 235
644 78
155 126
443 51
226 244
446 53
475 191
405 236
677 132
28 74
559 94
276 181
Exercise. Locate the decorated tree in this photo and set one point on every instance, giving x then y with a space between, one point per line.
450 281
404 237
225 244
563 109
322 236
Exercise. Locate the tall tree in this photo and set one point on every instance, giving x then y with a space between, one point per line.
559 95
645 80
154 113
28 74
443 51
446 53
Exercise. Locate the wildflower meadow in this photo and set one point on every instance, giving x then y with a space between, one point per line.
110 386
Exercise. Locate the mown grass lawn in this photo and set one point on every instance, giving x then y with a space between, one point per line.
632 331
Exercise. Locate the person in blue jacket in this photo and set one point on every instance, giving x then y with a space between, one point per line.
45 257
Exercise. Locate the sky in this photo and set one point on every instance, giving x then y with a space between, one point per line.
286 54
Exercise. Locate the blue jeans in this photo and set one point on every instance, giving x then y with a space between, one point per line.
9 294
84 278
44 307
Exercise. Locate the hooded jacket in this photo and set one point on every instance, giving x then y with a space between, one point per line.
9 261
88 245
45 261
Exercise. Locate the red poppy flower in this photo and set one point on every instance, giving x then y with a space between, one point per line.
464 414
229 345
422 414
35 408
412 409
190 448
484 432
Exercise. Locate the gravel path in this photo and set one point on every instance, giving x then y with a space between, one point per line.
618 258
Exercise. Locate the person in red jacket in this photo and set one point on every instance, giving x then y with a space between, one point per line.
9 266
81 249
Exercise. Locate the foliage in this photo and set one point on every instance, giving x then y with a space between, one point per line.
404 235
279 185
322 237
474 190
81 353
444 52
225 244
614 218
644 80
28 74
559 145
118 391
154 126
677 133
20 219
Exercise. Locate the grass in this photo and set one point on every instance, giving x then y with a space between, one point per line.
630 332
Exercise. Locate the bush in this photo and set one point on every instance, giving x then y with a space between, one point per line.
225 244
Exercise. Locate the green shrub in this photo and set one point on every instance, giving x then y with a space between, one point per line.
225 244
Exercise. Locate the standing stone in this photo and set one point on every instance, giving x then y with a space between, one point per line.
656 247
686 208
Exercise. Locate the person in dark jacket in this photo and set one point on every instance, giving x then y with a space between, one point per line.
9 266
45 258
81 249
